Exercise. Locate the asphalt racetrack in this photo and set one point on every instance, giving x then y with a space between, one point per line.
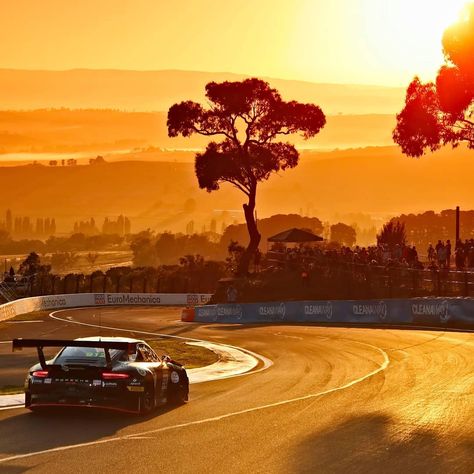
343 400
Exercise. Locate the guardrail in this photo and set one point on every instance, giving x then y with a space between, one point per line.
39 303
421 311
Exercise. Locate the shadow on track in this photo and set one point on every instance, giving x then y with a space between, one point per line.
29 432
376 443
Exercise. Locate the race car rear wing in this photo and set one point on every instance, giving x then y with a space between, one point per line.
40 344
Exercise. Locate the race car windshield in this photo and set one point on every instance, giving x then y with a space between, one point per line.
87 355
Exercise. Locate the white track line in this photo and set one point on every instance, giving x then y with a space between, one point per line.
141 434
266 362
244 360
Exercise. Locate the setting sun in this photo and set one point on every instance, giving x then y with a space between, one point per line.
403 31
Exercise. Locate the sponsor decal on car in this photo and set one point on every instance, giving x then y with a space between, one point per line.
47 381
109 384
97 383
134 388
174 377
437 309
371 309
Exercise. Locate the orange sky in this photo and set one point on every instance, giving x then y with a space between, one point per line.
346 41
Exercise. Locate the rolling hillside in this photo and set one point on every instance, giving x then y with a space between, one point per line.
376 181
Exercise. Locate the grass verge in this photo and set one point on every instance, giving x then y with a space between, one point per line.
189 356
11 389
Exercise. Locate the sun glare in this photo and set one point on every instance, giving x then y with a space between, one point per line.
408 33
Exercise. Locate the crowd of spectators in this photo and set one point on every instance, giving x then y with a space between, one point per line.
377 255
464 254
438 257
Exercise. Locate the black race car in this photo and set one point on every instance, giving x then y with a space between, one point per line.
112 373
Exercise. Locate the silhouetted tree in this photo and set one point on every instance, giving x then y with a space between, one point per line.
439 114
392 233
344 234
32 265
250 116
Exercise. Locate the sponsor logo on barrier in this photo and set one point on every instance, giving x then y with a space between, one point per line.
192 299
230 310
320 309
372 309
207 312
440 310
132 299
273 311
204 298
48 302
99 299
7 311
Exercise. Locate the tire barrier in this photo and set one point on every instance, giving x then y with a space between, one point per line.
39 303
416 311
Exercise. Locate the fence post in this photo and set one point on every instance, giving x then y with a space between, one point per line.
414 282
390 282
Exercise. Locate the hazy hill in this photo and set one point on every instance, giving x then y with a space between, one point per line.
64 130
157 90
376 181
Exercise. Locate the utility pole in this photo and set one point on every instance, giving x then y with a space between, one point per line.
457 225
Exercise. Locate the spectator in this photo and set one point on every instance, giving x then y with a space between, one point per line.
441 254
459 257
448 253
431 253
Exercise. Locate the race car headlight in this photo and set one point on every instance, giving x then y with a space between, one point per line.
114 376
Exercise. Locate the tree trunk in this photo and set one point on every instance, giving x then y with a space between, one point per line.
254 234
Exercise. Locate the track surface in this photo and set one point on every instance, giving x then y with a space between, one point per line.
335 400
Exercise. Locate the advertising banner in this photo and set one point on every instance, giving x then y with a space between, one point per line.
40 303
392 311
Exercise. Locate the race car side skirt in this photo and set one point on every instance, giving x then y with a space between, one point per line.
76 405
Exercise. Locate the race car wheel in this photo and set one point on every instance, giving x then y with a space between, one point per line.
178 395
147 401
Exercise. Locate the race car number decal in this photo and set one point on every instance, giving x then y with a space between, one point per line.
174 377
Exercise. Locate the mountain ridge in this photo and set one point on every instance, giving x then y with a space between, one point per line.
157 90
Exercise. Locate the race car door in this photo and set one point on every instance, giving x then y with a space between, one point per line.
147 356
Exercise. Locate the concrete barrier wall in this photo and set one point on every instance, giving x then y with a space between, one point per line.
38 303
394 311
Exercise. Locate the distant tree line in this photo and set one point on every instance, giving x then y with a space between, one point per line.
24 226
75 242
429 227
191 275
120 226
